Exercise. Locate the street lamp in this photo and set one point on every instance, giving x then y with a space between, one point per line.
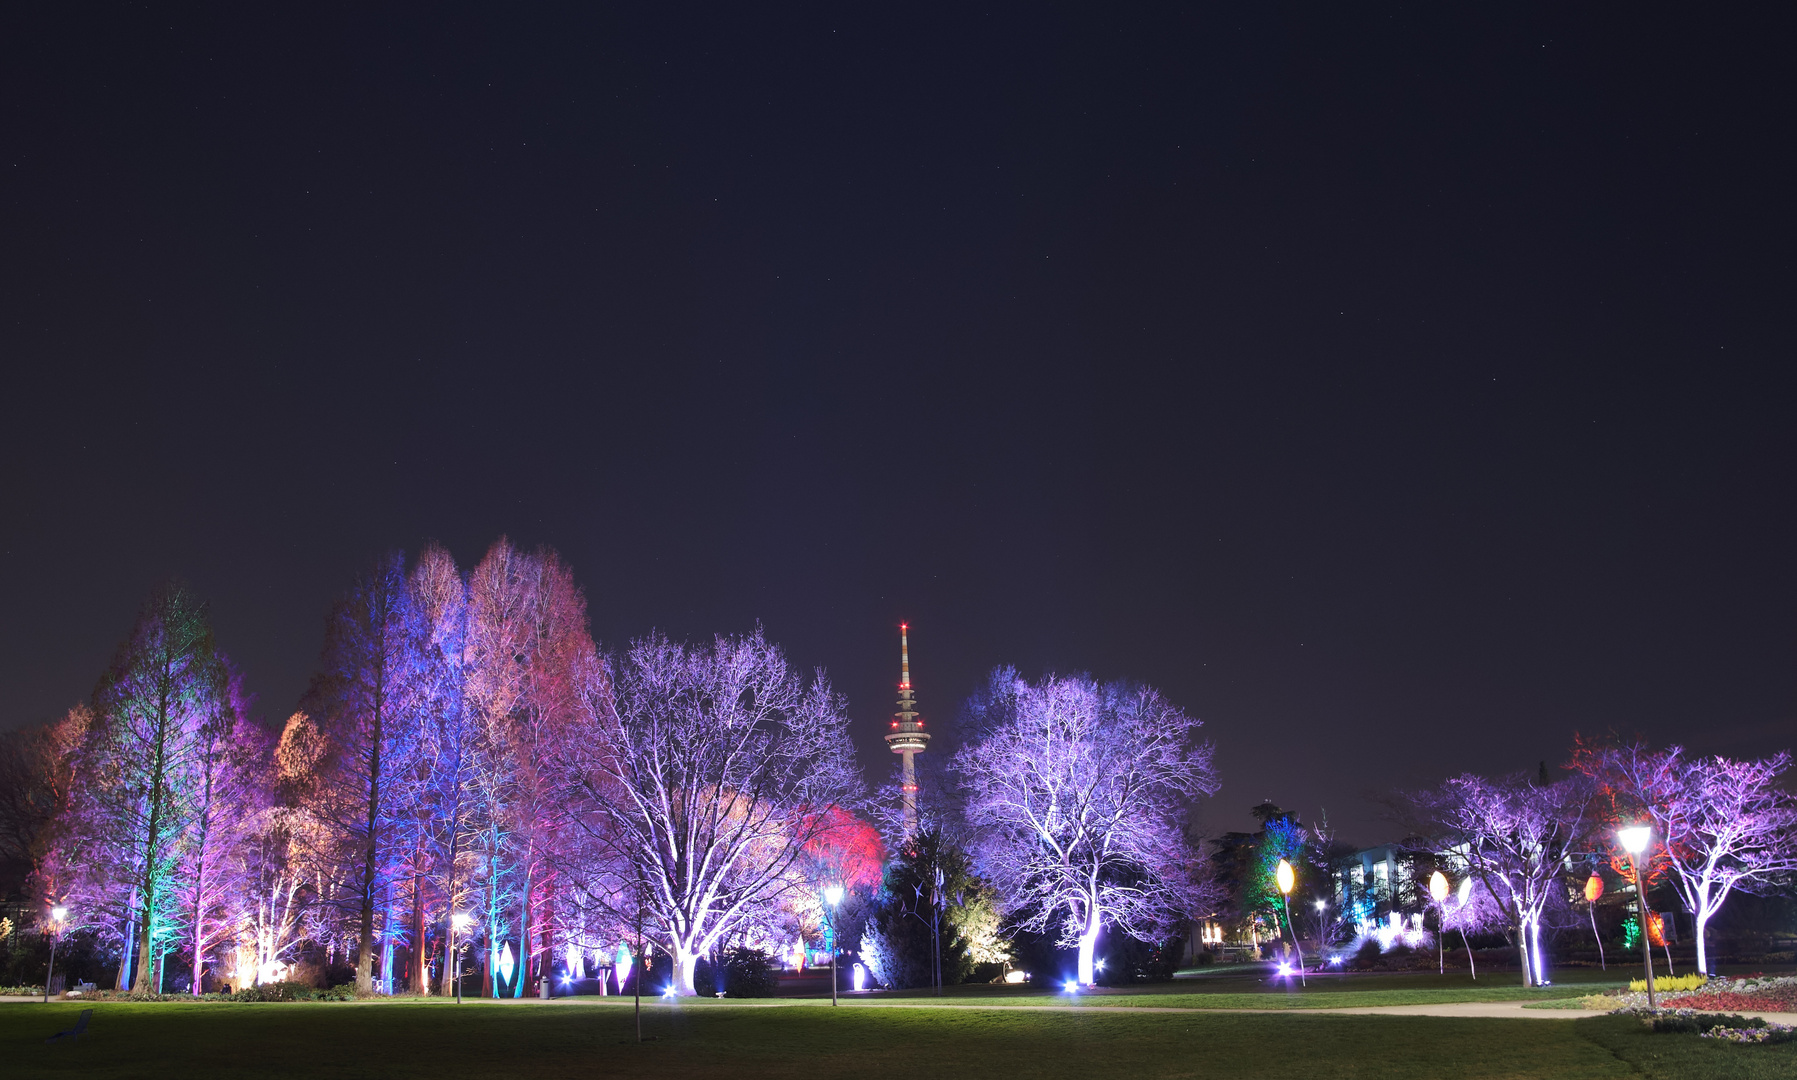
1286 880
1635 839
832 897
57 915
457 923
1438 888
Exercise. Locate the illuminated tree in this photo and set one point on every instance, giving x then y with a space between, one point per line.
1515 834
706 778
532 673
1077 797
1720 825
362 702
230 789
445 826
145 760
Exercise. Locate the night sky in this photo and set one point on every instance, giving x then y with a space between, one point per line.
1399 389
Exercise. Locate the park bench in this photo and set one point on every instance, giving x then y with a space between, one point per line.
76 1031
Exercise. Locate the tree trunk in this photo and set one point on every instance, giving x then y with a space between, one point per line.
123 981
420 982
1703 954
1522 948
686 963
1088 947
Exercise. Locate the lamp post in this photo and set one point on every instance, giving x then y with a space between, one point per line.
57 915
832 897
1438 888
1635 839
457 923
1286 880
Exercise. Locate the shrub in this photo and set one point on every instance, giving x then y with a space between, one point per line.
1698 1023
281 991
1671 984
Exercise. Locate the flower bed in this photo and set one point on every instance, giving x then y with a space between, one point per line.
1753 994
1735 995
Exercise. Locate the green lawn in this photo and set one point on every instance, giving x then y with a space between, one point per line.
1249 988
590 1038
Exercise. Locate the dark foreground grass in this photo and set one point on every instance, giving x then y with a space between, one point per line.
585 1039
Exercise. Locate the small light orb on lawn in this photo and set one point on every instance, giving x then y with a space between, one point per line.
1070 986
1285 969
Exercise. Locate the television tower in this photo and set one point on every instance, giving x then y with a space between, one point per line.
907 737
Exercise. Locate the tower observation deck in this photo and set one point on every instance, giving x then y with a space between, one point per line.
907 737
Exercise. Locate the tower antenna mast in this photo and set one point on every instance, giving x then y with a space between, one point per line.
907 738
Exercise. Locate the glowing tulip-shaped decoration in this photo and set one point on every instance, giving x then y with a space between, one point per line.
1287 878
623 960
1438 886
1594 889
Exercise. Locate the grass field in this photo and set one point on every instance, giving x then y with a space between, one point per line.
1252 988
591 1038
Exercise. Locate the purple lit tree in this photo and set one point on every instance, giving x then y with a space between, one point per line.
1721 825
362 703
1514 834
144 762
707 777
445 826
230 785
1077 797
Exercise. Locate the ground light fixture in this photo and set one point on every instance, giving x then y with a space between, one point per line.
1071 986
57 915
1287 879
1635 839
458 923
832 897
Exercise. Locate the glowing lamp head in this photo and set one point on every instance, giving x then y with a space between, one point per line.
1438 886
1321 904
1286 877
833 895
1635 838
59 913
461 920
1594 888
